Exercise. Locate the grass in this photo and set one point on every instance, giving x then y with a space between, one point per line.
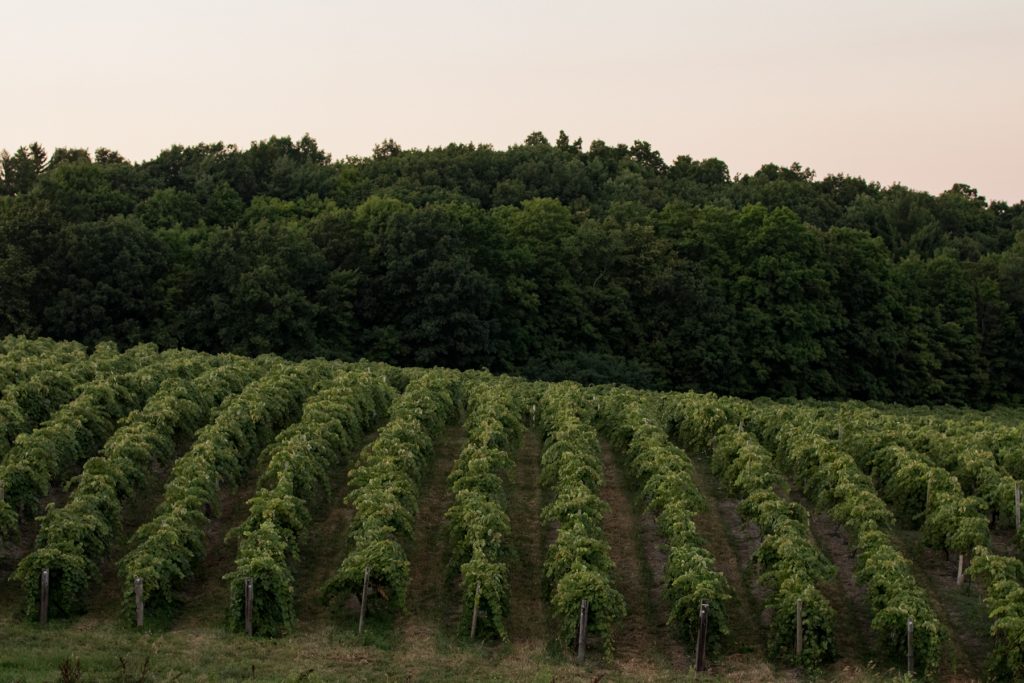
113 653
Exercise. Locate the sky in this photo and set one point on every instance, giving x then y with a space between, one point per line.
927 93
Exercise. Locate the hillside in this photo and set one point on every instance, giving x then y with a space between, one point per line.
548 260
173 478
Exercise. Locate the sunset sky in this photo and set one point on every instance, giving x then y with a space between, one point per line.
927 93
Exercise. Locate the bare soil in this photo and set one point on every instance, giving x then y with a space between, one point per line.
205 597
732 542
854 638
323 548
528 618
433 605
643 636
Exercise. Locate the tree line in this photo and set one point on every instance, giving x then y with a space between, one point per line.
546 259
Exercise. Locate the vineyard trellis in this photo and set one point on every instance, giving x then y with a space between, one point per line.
106 424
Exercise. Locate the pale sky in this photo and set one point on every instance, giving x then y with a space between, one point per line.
925 92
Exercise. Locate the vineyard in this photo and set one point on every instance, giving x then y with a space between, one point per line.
174 515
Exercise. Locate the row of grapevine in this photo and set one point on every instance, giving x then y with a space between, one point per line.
166 549
986 432
871 435
384 490
969 449
78 430
791 563
22 358
298 471
920 492
665 475
578 565
73 539
479 524
54 382
20 346
1003 578
830 476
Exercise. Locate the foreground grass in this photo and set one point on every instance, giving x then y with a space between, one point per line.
108 652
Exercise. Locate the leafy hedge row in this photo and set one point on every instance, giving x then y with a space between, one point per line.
20 358
299 463
384 490
78 430
1004 596
56 381
966 447
73 539
987 432
578 564
167 548
831 477
665 475
790 561
479 524
921 492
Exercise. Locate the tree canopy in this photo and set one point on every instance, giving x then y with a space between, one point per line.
546 259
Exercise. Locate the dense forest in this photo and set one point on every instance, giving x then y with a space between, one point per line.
546 259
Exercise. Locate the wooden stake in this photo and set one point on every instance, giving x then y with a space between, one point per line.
138 602
1016 504
799 627
362 603
702 637
960 571
44 595
248 606
476 610
910 646
581 640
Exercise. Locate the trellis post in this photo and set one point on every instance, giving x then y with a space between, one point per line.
139 607
362 603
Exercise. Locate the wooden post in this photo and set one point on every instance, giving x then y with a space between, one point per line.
799 627
138 602
960 571
910 647
702 637
248 606
44 595
362 603
1016 504
476 610
581 640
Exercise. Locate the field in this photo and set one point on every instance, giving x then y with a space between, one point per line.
470 514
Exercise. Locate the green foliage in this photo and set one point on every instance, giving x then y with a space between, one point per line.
479 525
1004 596
665 475
299 463
578 563
77 431
832 478
72 539
791 564
383 491
599 264
166 549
